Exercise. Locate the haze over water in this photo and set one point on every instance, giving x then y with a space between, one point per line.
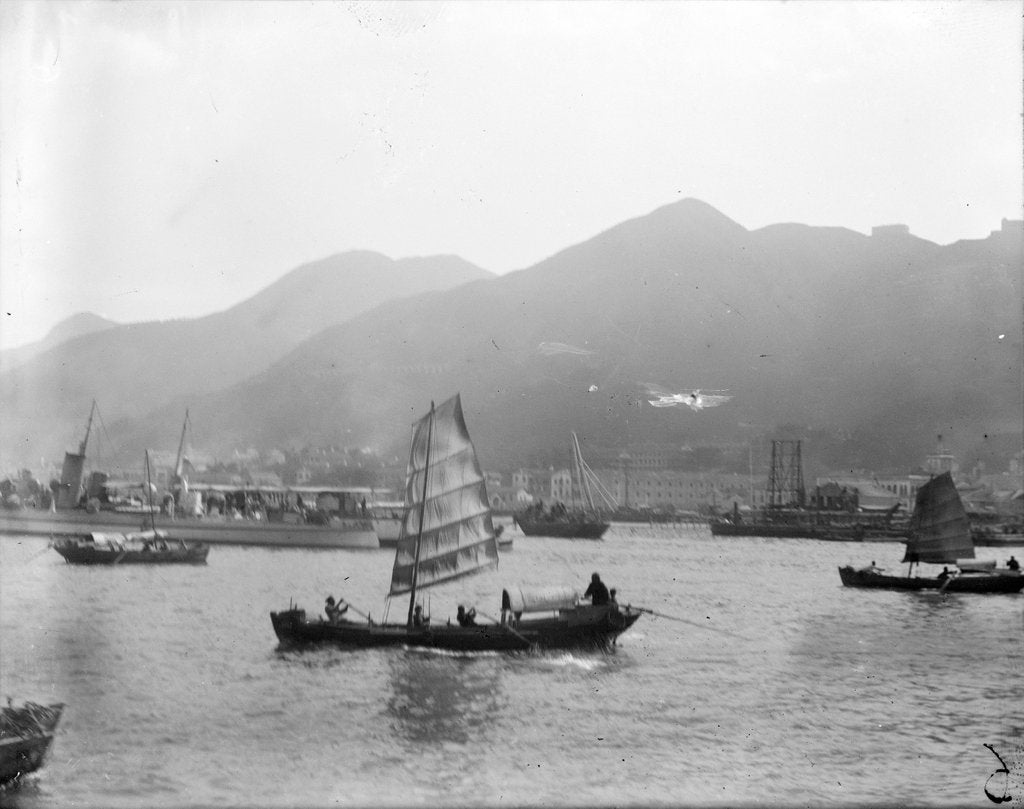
177 694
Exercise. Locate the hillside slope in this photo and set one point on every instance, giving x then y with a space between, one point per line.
881 342
136 368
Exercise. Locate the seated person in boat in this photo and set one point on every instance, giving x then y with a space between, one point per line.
945 574
1013 564
466 617
335 611
872 568
417 617
596 591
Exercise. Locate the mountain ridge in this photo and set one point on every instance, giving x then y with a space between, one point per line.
140 366
861 341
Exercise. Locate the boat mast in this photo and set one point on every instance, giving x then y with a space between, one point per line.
149 494
423 508
88 429
750 477
181 447
585 493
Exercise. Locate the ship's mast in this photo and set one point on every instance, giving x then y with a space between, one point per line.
181 448
423 507
88 429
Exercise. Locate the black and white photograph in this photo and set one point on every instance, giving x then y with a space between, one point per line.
514 403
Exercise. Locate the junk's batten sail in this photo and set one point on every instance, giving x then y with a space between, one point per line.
446 488
940 531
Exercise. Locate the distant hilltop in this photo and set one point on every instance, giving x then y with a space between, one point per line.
1009 227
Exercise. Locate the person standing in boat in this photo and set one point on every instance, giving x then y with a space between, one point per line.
1012 563
596 591
335 611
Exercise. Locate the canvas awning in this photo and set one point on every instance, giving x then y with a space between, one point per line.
538 599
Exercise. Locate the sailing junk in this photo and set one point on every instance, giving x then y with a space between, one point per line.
447 533
940 534
447 530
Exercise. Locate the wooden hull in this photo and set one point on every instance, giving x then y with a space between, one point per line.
1001 582
775 530
825 533
24 752
347 533
76 554
561 528
584 627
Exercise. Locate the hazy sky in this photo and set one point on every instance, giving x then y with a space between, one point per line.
165 160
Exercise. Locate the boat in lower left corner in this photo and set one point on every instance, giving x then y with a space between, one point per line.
26 734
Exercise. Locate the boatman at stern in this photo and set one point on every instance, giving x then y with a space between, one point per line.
596 592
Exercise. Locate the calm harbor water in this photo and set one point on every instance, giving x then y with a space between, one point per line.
781 688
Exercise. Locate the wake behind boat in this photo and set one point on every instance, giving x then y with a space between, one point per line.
447 533
939 534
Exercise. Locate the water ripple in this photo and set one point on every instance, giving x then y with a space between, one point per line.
821 694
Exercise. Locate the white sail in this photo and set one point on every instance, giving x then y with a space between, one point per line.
447 531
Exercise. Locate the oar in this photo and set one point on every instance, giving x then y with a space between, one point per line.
505 626
685 621
947 582
357 612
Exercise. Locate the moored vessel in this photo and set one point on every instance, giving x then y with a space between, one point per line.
215 514
579 522
138 548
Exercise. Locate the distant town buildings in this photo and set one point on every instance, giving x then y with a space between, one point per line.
649 476
1010 227
941 461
